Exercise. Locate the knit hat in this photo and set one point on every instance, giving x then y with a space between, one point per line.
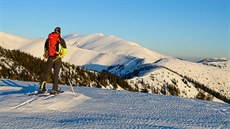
57 30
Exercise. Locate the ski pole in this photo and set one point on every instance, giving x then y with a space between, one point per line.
56 58
72 88
70 85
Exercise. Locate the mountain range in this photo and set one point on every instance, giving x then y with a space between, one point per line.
145 70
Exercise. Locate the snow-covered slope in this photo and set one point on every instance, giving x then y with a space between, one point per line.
12 41
98 108
85 49
113 45
215 78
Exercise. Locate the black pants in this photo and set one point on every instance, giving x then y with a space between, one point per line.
56 65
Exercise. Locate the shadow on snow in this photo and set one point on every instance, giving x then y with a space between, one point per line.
24 88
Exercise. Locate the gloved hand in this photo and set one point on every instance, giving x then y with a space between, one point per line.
45 55
59 54
62 53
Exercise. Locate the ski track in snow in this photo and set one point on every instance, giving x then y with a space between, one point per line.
98 108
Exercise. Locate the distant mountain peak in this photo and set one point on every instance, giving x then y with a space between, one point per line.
214 59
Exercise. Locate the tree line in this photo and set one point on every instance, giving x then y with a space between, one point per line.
23 66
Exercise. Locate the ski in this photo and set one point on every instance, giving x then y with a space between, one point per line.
49 96
31 93
42 94
46 96
36 93
52 95
24 103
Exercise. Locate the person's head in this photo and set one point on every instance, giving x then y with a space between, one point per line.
57 30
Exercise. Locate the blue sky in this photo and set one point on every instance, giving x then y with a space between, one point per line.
179 28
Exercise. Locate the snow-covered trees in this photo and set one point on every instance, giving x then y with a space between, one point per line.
22 66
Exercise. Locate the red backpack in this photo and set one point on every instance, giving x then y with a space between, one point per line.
53 40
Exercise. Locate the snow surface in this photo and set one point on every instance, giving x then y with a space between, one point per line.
99 108
12 41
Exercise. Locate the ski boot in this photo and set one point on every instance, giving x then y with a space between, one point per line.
43 91
54 92
42 88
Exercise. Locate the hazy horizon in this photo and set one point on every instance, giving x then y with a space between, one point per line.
178 28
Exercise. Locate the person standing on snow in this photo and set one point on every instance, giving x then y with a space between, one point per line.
54 49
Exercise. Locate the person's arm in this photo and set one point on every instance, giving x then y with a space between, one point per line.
46 55
63 50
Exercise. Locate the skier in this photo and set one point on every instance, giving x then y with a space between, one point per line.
54 49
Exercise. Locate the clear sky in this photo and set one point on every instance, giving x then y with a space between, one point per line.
179 28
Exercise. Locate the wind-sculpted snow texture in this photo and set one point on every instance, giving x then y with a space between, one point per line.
98 108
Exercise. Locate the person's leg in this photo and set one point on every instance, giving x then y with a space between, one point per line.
46 73
57 66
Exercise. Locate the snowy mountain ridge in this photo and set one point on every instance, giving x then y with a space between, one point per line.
80 45
214 59
146 70
217 62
